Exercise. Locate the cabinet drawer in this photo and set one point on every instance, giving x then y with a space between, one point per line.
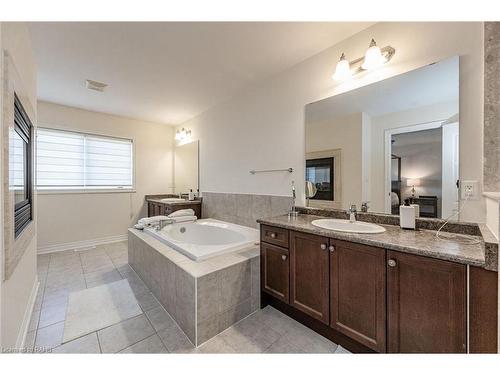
276 236
275 271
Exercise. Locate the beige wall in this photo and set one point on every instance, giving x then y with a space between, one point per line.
16 292
344 134
76 218
263 127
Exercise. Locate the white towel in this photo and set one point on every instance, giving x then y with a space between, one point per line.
179 213
151 220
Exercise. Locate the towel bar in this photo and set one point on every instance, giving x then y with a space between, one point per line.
290 170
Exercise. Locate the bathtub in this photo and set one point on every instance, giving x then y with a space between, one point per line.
206 238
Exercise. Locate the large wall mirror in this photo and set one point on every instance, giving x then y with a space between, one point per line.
390 142
186 164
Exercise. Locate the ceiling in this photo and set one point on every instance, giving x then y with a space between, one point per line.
169 72
429 85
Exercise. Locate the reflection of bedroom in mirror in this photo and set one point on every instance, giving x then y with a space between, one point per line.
388 143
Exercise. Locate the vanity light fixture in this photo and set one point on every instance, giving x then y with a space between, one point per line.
182 134
343 69
374 58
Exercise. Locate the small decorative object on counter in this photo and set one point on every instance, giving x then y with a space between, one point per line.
407 216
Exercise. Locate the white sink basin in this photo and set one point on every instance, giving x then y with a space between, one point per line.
173 200
346 226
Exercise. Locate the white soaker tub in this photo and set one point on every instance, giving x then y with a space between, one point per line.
206 238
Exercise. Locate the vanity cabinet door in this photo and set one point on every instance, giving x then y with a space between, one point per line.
357 293
426 305
309 275
275 271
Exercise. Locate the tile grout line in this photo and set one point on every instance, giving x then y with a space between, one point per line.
98 342
145 338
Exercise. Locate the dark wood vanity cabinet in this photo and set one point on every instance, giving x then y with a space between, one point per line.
380 300
274 271
426 305
357 293
309 275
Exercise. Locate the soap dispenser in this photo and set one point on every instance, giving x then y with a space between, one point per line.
191 195
407 216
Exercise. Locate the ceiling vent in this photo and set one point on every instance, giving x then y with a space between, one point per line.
94 85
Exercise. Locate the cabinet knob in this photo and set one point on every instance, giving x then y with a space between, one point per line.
323 246
273 235
331 248
391 263
283 257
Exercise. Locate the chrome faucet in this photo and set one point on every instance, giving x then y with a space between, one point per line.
352 213
364 206
163 223
293 210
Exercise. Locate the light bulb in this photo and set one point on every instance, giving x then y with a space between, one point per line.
343 69
373 57
177 135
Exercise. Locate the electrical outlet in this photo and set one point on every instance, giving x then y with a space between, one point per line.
470 189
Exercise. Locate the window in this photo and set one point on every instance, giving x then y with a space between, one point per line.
77 161
20 167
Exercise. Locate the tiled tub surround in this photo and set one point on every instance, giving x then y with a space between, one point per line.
420 242
204 297
243 209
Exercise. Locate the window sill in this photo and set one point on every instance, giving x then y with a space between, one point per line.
84 191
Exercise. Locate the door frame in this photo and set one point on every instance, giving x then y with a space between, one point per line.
388 133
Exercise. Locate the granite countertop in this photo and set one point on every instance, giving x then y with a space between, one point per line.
420 242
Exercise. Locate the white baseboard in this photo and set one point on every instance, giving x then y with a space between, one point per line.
21 337
81 244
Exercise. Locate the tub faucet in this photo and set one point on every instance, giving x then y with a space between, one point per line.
352 213
293 210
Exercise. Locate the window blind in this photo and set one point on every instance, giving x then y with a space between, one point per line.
70 160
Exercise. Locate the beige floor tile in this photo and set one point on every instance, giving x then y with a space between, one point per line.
175 340
49 337
283 346
310 341
52 314
72 286
147 301
120 261
160 319
55 297
102 277
245 339
342 350
216 345
84 345
124 334
150 345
